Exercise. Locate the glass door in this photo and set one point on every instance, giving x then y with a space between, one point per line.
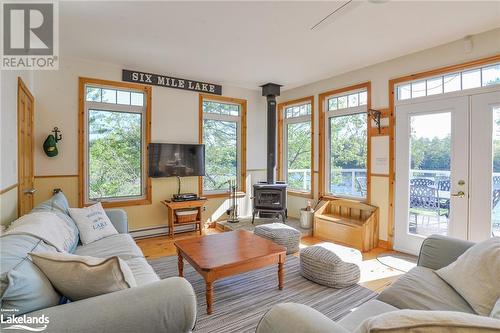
431 171
485 166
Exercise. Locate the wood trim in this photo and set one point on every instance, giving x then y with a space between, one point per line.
82 81
243 141
280 168
392 83
9 188
57 176
21 86
379 175
308 195
445 70
322 153
384 244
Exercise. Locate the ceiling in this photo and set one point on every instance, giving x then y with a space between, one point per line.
246 44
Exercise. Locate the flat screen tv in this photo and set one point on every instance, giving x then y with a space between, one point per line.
176 160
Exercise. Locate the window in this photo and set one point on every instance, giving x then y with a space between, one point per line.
114 129
467 79
344 124
223 131
295 163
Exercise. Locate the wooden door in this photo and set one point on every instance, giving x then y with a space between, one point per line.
25 114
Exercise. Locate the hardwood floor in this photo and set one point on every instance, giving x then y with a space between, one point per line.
374 274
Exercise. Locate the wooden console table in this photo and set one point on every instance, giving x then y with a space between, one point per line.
172 206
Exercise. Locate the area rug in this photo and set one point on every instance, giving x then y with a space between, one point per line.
246 224
241 300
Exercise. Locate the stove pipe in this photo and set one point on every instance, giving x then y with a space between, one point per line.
271 90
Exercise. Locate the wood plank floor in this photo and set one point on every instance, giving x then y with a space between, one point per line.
374 275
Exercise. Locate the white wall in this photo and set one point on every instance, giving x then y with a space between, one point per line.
174 119
485 44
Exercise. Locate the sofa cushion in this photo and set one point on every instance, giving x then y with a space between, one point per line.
143 272
495 313
22 285
120 245
80 277
58 204
367 310
417 321
422 289
475 275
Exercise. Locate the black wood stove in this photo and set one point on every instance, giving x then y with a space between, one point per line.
269 198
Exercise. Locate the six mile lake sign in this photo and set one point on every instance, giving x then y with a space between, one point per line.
170 82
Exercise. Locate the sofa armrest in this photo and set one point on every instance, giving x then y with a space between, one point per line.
296 318
119 219
164 306
439 251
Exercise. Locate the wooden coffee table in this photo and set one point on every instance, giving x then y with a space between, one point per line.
229 253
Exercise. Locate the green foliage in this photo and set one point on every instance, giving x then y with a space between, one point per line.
348 149
430 154
114 154
221 153
299 155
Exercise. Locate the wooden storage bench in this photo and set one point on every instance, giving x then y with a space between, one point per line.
348 222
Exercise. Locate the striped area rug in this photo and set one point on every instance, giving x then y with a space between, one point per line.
241 300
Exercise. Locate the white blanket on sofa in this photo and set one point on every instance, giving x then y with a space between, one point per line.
46 226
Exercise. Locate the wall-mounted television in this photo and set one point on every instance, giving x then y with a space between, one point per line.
176 160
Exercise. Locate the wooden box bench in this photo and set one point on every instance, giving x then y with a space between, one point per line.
348 222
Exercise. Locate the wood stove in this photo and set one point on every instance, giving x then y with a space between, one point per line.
269 198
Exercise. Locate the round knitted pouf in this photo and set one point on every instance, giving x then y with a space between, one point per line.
281 234
331 265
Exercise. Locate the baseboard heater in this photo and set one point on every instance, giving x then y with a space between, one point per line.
158 231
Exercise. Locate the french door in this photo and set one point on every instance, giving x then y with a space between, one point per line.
447 159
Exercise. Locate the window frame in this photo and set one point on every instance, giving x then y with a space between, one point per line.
241 140
324 135
84 106
282 141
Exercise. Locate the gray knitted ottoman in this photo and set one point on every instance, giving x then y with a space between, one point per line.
330 265
281 234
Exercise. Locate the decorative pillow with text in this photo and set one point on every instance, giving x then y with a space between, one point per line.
93 223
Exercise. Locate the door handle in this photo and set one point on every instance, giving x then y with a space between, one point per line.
459 194
30 191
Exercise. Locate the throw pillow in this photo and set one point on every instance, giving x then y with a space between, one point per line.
92 222
58 204
474 275
23 286
80 277
420 321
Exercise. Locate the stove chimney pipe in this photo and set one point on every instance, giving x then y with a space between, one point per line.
271 90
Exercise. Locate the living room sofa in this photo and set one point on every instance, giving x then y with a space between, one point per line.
419 289
154 305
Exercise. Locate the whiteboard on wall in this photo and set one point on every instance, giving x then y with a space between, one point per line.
380 155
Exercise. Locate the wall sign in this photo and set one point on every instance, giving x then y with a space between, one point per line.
170 82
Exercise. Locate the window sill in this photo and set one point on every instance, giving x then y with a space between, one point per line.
125 203
239 194
308 195
333 197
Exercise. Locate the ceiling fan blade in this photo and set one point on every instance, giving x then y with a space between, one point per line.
341 10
